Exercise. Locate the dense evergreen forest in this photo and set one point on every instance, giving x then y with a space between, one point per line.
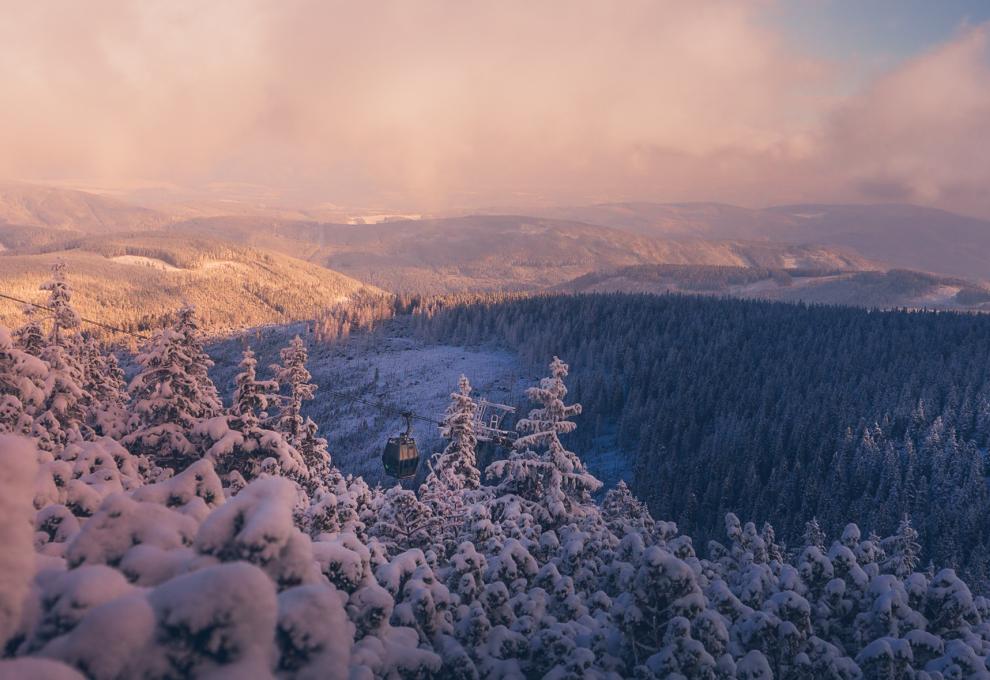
153 529
769 410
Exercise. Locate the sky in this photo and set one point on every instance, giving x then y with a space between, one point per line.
438 105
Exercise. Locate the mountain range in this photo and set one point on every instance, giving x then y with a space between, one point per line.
906 236
873 255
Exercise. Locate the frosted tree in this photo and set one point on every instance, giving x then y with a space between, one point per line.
813 534
187 325
22 386
402 521
301 432
61 418
552 481
252 397
902 549
293 376
171 394
313 448
31 336
454 472
238 442
457 466
63 317
625 514
104 382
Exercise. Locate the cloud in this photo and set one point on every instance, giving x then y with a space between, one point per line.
920 133
437 103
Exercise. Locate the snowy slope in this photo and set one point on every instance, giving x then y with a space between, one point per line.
411 375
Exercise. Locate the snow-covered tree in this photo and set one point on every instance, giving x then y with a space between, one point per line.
902 549
552 482
252 397
315 453
456 467
402 521
171 393
625 514
22 386
59 303
31 337
63 416
238 442
454 473
62 419
103 380
813 534
293 376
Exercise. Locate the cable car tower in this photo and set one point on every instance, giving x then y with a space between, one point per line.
488 419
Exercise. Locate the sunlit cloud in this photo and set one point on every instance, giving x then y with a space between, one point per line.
438 104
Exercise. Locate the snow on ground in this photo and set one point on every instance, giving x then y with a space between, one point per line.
140 260
379 218
410 376
940 295
216 264
145 262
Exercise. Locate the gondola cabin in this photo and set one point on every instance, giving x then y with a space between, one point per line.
401 457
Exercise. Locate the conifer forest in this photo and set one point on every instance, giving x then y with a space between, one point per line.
824 520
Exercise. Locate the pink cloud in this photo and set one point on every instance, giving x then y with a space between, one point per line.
920 133
433 104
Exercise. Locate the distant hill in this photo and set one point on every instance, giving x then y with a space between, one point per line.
895 288
31 205
525 251
135 281
906 236
496 251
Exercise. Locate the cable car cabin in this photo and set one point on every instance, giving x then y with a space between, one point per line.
401 457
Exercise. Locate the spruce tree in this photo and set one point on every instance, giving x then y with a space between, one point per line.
22 387
104 382
63 317
31 336
171 394
455 469
552 482
454 474
252 397
903 550
239 443
293 376
62 420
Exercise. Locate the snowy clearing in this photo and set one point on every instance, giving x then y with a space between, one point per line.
141 261
411 375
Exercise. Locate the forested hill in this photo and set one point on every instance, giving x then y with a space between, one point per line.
770 409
